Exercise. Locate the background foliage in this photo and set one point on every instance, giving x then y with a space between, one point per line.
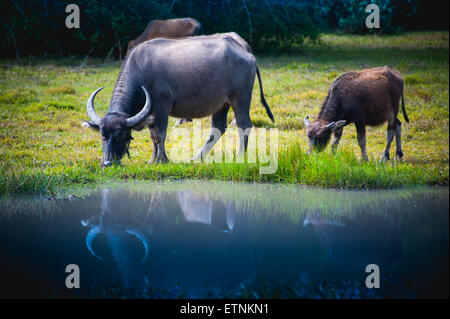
37 27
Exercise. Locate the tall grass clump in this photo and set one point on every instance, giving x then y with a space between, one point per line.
345 170
13 182
341 170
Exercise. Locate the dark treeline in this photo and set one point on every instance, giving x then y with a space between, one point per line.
37 27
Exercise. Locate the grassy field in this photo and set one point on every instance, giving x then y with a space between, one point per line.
44 149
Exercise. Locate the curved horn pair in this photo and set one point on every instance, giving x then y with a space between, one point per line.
132 121
93 232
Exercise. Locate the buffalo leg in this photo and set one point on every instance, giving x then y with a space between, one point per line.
336 138
218 127
398 139
158 132
243 121
181 122
361 137
155 145
245 125
161 131
178 123
389 139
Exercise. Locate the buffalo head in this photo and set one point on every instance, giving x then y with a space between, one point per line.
115 128
319 132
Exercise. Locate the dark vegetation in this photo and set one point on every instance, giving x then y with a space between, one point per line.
37 27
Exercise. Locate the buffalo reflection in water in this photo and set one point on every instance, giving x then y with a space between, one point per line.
118 228
362 239
164 232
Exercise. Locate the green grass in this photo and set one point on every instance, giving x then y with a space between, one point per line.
43 147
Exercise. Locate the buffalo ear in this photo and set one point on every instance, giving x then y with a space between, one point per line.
148 121
91 125
306 121
338 125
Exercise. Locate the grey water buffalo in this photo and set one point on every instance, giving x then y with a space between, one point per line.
172 28
185 78
367 97
244 45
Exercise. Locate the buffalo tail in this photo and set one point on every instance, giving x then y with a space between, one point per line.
263 99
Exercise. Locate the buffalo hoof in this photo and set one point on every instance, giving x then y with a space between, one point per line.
152 160
198 158
195 160
162 160
399 156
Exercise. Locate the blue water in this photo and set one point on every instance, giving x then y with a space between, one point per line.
202 239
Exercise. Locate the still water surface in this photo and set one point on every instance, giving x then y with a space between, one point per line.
214 239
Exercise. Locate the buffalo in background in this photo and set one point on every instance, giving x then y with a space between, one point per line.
172 28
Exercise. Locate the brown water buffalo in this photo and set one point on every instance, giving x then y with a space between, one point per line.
367 97
172 28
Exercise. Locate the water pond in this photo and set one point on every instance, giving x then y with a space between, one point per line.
215 239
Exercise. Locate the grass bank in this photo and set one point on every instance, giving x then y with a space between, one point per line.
43 147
